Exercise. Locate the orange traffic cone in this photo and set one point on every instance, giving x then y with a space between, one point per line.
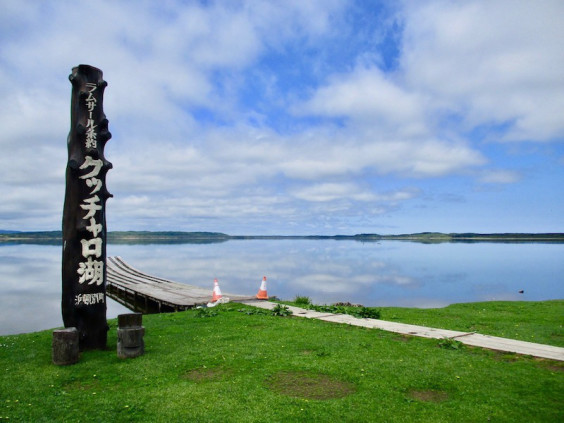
262 295
216 291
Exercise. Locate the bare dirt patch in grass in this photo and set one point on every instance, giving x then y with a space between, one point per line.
557 368
206 374
428 395
318 353
557 336
310 385
79 385
507 357
257 327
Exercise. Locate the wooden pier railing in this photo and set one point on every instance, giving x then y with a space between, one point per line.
139 291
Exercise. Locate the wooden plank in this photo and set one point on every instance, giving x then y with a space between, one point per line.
130 286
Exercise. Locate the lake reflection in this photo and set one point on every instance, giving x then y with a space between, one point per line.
30 289
387 273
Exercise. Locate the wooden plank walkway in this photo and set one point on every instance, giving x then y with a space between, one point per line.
468 338
142 292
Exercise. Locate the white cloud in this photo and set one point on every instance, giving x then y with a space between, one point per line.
490 62
391 128
332 191
416 157
500 177
293 19
369 96
179 104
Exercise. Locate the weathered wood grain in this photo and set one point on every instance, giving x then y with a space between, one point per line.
142 292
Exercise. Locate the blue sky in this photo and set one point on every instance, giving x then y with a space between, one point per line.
294 117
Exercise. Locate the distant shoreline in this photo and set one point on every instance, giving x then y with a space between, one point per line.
117 237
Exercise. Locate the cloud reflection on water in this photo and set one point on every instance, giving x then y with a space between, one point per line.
30 289
373 274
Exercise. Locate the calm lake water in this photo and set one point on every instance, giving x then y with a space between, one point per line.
387 273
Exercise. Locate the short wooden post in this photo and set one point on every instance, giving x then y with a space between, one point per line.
130 335
65 346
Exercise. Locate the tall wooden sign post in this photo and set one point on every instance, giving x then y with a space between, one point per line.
83 302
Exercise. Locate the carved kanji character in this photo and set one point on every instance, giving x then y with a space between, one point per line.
91 271
91 247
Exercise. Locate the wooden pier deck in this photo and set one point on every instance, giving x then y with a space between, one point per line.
149 294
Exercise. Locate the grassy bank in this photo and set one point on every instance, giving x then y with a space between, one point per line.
532 321
238 365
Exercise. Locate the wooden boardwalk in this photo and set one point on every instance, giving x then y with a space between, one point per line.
149 294
468 338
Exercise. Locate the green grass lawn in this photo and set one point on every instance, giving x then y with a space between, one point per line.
239 367
533 321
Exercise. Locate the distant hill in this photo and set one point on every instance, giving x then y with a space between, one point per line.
25 235
119 237
144 237
170 237
434 237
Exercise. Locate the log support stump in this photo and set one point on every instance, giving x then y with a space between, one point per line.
130 333
65 346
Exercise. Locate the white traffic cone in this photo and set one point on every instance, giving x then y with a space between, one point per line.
262 294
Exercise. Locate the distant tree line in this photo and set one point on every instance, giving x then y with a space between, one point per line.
54 237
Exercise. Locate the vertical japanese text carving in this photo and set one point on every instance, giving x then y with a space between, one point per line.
84 218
